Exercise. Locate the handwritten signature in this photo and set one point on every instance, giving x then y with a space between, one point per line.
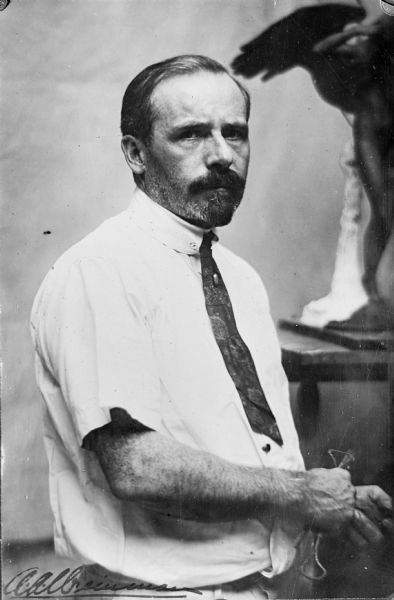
30 583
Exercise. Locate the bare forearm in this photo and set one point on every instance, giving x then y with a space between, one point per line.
149 467
144 466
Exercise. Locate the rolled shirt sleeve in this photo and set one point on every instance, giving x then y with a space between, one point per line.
93 336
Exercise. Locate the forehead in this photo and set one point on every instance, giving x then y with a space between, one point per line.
200 96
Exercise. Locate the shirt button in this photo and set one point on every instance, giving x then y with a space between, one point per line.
193 245
266 448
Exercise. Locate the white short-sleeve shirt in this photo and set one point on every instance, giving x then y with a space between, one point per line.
120 321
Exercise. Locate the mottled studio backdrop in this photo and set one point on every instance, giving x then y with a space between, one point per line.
65 66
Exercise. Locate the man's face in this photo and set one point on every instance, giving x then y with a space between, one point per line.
197 158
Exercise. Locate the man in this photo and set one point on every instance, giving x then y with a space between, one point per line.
160 468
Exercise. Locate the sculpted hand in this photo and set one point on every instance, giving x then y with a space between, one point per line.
329 500
372 516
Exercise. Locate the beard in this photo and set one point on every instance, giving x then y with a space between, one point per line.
207 202
213 208
213 199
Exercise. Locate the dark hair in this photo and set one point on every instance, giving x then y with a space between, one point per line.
137 112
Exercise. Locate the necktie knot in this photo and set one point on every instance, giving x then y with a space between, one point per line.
206 244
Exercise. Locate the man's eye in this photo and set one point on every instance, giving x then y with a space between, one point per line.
189 134
235 134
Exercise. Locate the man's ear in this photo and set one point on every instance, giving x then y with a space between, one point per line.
134 152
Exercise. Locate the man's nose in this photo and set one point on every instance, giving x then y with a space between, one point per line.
218 152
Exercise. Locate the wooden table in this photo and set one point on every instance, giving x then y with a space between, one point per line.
309 360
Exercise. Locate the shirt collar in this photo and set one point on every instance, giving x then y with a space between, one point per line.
164 226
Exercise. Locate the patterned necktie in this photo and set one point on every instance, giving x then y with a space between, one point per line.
235 352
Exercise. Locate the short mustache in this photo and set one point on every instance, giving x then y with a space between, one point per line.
227 179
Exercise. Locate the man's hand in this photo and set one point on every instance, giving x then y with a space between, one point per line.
334 506
372 516
329 498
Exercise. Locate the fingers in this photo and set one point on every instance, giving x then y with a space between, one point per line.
365 503
388 527
371 518
377 495
374 502
382 499
362 526
356 538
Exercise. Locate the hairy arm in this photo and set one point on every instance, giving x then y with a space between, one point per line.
144 466
149 467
